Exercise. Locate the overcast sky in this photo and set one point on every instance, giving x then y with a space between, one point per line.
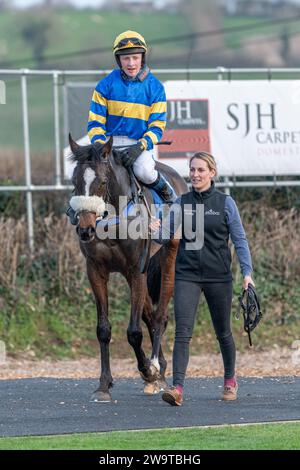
79 3
84 3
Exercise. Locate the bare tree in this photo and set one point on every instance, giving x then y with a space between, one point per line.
285 45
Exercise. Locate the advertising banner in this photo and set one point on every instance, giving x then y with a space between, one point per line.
251 127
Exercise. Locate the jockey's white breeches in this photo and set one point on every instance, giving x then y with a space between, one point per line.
144 166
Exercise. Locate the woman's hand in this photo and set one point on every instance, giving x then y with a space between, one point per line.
154 224
248 280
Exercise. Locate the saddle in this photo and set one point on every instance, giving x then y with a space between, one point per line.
137 197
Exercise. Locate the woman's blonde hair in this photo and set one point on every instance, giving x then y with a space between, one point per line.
208 158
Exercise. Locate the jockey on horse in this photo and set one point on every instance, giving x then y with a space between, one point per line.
130 105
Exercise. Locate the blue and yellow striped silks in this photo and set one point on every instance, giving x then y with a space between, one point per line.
128 107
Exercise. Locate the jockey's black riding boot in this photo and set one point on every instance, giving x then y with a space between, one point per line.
163 189
72 215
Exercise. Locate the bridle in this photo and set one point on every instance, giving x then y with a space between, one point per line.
105 197
250 306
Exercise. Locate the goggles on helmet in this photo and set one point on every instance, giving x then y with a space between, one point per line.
127 43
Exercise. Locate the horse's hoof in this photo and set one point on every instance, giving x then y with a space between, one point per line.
151 388
100 397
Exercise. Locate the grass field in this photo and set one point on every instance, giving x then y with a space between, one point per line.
72 30
283 436
235 39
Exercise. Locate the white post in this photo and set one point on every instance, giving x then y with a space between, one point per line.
221 70
27 160
66 114
56 129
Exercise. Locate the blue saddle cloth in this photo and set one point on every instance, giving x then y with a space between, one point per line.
157 201
130 211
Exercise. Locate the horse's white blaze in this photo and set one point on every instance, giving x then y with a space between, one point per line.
89 176
155 362
88 203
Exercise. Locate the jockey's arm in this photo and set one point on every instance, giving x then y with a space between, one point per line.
156 122
97 116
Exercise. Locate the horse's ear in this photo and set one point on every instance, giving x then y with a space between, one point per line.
107 147
73 145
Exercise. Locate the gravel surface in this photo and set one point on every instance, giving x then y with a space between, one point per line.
275 362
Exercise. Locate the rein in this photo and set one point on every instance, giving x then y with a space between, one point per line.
163 142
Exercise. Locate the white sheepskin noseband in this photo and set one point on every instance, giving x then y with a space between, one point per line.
88 203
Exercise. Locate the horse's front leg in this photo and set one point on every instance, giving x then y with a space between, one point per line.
160 384
138 287
99 286
160 314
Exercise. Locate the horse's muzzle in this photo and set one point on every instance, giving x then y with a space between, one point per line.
86 234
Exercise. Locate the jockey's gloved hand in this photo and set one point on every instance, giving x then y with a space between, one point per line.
130 154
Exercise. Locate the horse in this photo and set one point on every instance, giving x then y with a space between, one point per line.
99 179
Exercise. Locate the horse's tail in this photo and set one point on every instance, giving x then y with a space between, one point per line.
154 278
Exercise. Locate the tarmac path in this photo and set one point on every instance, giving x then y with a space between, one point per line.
45 406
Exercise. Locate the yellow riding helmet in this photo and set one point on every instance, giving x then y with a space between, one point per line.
130 42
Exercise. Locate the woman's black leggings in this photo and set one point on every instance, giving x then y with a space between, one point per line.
186 299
